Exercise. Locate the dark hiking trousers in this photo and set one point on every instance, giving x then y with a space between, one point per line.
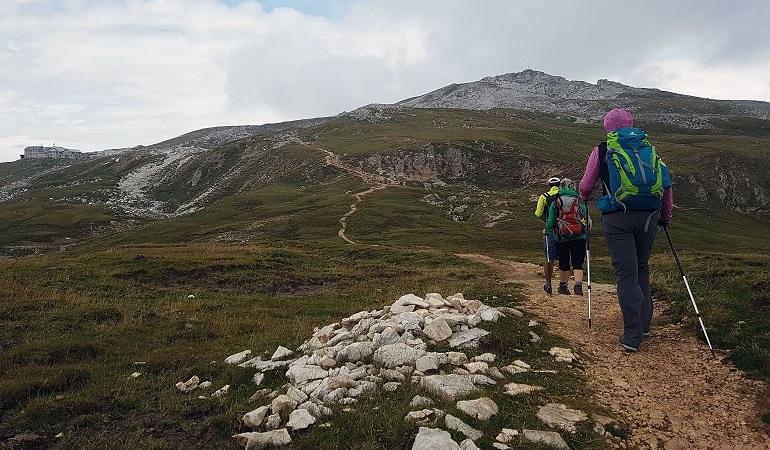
630 236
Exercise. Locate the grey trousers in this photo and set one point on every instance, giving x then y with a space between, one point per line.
630 236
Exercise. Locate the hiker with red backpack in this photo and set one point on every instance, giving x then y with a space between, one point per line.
637 199
568 219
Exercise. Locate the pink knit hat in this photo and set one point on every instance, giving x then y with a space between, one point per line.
617 119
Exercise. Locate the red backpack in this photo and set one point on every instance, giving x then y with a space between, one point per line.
570 220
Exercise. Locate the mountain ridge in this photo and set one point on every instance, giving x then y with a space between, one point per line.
536 91
418 146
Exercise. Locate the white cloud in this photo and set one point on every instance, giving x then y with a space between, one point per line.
94 74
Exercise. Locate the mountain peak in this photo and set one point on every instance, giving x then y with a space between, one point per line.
536 91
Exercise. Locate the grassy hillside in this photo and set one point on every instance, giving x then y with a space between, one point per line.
90 293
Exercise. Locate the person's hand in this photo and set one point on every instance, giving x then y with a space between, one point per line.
662 223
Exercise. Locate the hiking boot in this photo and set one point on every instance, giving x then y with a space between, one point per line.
578 289
563 289
626 346
646 334
548 289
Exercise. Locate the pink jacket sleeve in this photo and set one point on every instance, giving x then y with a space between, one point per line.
591 175
667 208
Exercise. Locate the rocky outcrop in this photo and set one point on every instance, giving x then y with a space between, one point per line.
383 349
432 162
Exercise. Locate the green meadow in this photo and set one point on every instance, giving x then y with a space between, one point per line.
90 294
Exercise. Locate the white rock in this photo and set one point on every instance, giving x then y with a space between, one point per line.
562 354
434 300
485 357
434 439
254 440
298 375
388 336
438 330
550 438
395 355
511 311
188 385
299 419
468 445
391 386
495 373
273 422
489 314
281 354
427 363
410 321
221 392
518 388
557 415
449 387
238 357
482 408
420 402
476 367
454 423
135 375
467 338
355 352
411 299
205 385
258 378
296 394
398 309
254 419
457 358
418 416
504 438
283 405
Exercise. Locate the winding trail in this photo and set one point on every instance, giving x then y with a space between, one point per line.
379 182
672 393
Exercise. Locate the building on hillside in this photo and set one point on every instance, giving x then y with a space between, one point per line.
40 151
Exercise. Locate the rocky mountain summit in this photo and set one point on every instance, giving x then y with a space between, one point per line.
531 90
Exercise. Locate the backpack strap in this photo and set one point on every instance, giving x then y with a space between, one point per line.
604 171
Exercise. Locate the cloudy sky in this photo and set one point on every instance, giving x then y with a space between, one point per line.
96 74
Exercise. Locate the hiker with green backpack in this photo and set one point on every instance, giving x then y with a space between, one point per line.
637 199
549 239
568 219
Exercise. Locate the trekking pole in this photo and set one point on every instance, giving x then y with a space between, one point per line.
548 270
588 262
697 313
588 270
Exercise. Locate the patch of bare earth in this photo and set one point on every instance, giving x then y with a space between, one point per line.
673 394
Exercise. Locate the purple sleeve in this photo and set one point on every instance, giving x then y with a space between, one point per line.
591 175
667 208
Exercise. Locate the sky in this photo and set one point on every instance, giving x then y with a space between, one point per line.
99 74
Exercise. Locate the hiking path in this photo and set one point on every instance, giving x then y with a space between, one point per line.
673 393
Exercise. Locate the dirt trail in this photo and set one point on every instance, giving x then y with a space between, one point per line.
379 182
672 392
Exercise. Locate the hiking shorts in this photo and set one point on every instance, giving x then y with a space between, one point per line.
549 247
572 252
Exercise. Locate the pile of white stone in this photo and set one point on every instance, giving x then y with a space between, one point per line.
382 349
